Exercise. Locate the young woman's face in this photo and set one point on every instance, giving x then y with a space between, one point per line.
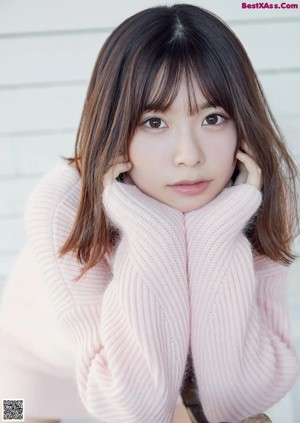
180 159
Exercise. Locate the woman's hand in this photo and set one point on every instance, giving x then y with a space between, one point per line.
117 166
249 172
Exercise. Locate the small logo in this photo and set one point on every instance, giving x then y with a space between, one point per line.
13 410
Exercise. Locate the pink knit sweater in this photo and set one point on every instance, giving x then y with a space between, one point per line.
176 281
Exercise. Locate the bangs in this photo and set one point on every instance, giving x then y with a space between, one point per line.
164 79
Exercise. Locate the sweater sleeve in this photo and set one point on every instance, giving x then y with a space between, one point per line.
242 353
129 328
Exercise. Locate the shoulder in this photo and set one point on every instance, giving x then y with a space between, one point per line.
267 268
49 218
60 184
53 203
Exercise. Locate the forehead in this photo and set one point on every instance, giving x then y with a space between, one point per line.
185 94
191 100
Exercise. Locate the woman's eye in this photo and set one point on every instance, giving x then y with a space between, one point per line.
155 123
214 119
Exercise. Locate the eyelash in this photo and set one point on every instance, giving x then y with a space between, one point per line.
153 118
215 114
206 124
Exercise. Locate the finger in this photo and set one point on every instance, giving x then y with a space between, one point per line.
114 171
121 158
254 171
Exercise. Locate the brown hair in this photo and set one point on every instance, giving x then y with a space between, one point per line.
175 42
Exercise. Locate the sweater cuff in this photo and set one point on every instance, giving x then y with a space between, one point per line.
226 215
141 217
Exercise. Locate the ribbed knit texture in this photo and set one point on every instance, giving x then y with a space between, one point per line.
173 279
130 327
243 358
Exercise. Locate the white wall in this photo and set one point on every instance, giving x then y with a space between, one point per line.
47 51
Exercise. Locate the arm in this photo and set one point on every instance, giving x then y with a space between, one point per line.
147 301
243 358
129 329
272 281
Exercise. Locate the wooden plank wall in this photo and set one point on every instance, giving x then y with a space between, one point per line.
47 51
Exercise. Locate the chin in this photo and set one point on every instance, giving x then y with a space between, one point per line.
191 207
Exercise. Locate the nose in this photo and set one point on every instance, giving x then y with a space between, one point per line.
188 150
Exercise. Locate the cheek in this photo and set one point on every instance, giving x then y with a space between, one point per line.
145 155
222 153
227 145
135 151
146 162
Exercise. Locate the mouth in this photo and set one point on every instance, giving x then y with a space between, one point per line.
190 187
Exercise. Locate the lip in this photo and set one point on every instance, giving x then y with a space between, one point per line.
188 187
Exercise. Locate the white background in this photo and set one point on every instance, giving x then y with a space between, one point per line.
47 51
